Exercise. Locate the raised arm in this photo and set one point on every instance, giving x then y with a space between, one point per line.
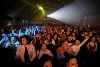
53 42
82 43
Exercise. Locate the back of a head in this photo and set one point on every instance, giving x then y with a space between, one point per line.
44 59
64 40
69 57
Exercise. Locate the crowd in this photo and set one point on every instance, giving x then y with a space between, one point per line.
49 46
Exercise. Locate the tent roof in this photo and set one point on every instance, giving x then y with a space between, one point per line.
26 9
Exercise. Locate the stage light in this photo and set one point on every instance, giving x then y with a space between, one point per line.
68 13
9 23
40 8
48 15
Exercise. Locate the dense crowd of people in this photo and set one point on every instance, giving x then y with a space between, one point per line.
49 46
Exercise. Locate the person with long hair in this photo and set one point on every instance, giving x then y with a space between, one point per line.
43 51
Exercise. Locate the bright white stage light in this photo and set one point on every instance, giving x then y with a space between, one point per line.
59 15
68 14
48 15
9 23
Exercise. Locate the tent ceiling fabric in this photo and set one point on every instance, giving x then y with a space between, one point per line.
90 6
26 9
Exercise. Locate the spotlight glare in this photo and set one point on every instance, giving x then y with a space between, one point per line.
40 8
48 15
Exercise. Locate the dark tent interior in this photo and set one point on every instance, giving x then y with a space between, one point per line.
15 11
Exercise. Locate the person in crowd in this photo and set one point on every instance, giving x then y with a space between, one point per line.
53 35
47 40
92 49
73 35
70 40
92 44
69 30
89 53
51 47
71 61
81 35
62 31
64 48
63 51
55 39
26 52
46 61
98 38
43 51
78 44
64 36
37 41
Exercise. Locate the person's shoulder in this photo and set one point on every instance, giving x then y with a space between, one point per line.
59 48
31 45
73 46
48 50
20 46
